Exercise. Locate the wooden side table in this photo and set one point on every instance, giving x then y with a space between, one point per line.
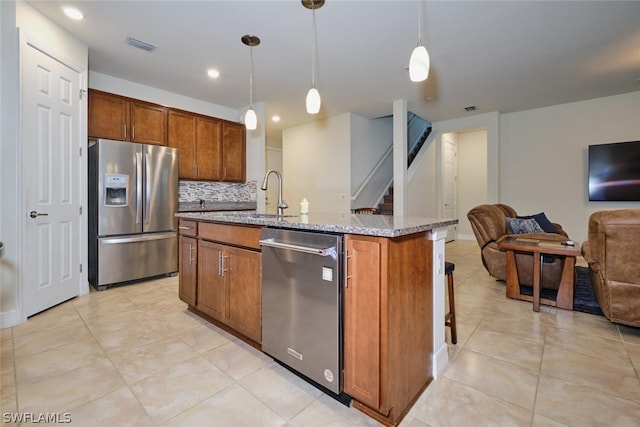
539 248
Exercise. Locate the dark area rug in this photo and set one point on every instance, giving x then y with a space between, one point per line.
584 299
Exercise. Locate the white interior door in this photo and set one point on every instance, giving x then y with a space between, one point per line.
50 179
450 182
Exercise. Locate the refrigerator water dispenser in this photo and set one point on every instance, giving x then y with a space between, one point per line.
116 187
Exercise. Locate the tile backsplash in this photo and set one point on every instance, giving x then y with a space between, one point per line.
192 191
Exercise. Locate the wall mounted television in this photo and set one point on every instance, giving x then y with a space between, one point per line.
614 172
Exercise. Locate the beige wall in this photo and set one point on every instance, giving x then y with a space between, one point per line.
9 145
316 161
421 190
543 157
472 176
536 160
34 27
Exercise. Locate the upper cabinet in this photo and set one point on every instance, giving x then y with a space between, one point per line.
121 118
233 152
209 149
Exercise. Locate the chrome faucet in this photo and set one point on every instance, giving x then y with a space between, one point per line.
282 205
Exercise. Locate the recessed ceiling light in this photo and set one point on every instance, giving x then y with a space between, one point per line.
213 73
73 13
275 118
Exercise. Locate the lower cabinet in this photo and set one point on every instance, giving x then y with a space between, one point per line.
244 312
387 323
188 267
229 288
221 273
188 261
212 289
362 321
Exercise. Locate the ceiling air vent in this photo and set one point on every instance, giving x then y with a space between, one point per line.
139 44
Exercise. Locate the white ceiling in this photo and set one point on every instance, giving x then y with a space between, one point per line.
499 56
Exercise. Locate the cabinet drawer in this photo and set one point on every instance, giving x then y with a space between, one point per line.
237 235
188 228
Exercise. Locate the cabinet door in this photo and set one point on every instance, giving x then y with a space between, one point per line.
212 296
233 151
108 116
208 149
182 135
148 123
245 292
362 321
188 269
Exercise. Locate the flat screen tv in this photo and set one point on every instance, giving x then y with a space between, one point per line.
614 172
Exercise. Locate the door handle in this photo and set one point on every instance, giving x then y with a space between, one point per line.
34 214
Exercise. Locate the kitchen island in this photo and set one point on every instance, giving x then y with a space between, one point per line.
393 312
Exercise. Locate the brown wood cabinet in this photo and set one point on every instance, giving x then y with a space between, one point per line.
210 149
212 283
227 285
244 303
388 323
362 321
188 261
233 152
117 117
199 144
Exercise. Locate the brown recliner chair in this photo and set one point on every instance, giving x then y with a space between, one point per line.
613 253
489 225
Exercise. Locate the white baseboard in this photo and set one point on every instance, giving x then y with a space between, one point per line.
9 319
440 361
466 237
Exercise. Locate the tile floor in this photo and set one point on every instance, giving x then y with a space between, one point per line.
133 356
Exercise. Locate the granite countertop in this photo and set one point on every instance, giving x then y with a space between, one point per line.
213 206
368 225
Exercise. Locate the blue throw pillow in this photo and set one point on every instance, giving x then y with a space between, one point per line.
523 225
543 222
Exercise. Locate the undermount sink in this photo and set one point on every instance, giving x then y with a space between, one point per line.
266 215
263 215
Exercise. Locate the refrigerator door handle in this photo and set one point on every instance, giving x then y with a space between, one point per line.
138 187
147 173
137 238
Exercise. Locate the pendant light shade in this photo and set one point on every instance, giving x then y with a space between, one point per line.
313 96
419 62
313 101
250 118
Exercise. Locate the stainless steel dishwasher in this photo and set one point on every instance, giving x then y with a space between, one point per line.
302 305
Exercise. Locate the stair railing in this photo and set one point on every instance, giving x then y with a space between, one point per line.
373 172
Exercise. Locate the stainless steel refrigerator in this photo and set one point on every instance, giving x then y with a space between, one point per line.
133 198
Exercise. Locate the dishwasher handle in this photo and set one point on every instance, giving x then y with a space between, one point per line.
314 251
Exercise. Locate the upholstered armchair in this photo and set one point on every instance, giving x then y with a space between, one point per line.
489 224
613 253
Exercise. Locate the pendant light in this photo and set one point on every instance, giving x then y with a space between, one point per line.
250 118
313 96
419 62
